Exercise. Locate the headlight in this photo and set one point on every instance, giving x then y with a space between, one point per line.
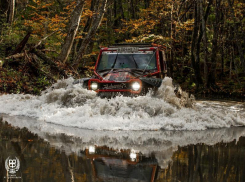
135 86
94 86
91 149
133 156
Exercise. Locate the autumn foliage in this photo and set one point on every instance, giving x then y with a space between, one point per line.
203 39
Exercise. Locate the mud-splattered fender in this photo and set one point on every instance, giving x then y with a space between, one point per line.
154 82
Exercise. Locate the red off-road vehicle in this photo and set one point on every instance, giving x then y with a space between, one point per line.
128 69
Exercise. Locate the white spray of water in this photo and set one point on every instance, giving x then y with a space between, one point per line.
71 105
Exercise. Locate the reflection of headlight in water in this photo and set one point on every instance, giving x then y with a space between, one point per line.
91 149
94 86
135 86
133 156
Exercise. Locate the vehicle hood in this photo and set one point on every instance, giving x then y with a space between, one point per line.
119 76
124 76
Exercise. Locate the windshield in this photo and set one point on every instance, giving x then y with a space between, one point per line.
145 60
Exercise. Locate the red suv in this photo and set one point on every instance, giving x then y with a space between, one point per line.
128 69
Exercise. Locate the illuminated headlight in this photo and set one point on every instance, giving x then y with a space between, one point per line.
91 149
135 86
94 86
133 156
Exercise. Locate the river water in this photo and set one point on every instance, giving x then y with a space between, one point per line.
69 134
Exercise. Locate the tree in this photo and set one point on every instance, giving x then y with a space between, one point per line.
203 32
72 31
213 62
196 62
11 11
96 20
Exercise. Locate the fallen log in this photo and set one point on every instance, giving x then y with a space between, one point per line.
43 39
48 61
39 54
22 44
19 55
36 65
7 59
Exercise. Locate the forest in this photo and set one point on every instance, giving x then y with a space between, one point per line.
42 41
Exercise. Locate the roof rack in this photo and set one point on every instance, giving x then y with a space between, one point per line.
132 44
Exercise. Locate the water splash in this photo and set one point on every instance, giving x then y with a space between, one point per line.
71 105
175 95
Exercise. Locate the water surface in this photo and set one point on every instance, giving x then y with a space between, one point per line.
46 153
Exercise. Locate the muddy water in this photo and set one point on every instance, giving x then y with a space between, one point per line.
50 152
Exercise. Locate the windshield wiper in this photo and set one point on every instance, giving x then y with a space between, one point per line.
135 61
114 61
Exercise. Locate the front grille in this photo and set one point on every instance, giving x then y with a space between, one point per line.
113 86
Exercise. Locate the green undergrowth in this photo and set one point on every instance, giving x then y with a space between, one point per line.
14 81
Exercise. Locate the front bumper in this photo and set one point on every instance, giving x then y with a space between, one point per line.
116 87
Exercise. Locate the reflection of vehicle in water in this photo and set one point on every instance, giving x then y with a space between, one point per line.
129 69
121 165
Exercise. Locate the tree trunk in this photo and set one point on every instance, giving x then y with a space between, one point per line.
88 24
48 61
86 28
171 42
194 37
116 22
11 12
235 66
195 65
120 4
96 20
73 27
231 60
204 19
132 9
222 61
212 65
